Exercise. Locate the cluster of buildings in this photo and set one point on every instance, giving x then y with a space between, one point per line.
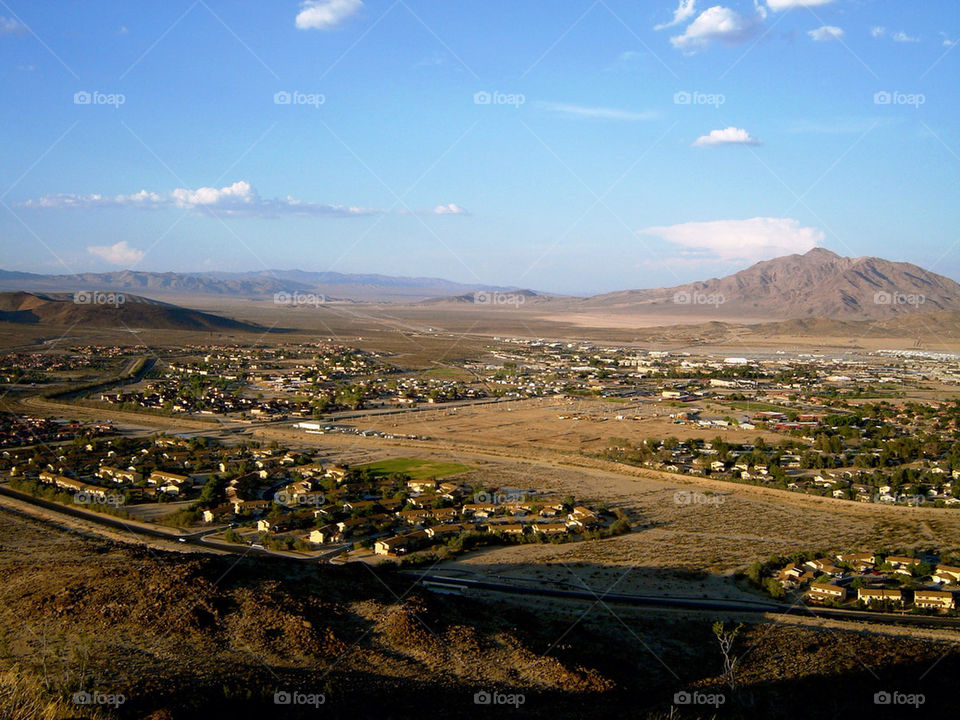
873 581
394 515
17 430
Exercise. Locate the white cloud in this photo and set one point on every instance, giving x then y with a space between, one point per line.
117 254
685 10
779 5
727 136
449 209
10 26
902 37
142 199
238 194
758 238
947 42
238 199
325 14
878 31
718 24
826 33
599 113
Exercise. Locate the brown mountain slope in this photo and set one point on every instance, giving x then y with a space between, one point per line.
819 283
109 310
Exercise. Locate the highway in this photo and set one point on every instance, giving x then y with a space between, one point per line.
446 583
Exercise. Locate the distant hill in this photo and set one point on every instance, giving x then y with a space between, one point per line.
819 283
249 284
104 311
492 298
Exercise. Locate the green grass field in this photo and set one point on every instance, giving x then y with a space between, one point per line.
416 468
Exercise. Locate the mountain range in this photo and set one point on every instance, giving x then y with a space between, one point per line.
344 286
817 284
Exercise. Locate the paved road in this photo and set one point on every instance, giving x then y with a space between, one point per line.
448 583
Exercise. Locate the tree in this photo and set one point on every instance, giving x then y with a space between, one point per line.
774 588
726 639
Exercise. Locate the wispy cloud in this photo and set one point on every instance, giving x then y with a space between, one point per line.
599 113
449 209
118 254
238 199
326 14
727 136
902 37
779 5
754 239
685 10
717 24
10 26
826 33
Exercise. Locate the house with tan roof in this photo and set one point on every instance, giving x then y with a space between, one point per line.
935 599
869 595
820 592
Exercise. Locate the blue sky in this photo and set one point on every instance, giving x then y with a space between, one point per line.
566 146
